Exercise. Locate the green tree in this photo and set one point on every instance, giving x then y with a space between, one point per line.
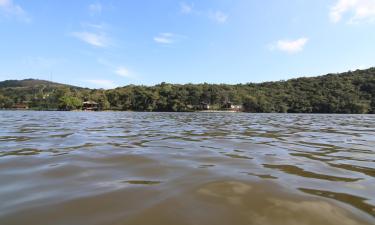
5 102
70 103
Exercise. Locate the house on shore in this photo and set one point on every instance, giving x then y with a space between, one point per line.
232 107
204 106
90 106
200 106
20 106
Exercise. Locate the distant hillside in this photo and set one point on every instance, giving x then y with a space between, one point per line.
350 92
37 94
27 83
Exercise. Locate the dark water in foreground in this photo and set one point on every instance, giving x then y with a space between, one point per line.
72 168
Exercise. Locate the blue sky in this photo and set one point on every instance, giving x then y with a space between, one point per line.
105 44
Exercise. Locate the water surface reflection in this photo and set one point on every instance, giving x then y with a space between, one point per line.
186 168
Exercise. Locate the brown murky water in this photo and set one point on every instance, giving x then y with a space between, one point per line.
72 168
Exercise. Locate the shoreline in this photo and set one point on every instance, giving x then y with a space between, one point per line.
109 110
202 111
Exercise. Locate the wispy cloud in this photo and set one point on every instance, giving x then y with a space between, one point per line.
186 8
102 83
9 9
95 39
96 26
168 38
122 71
219 17
360 10
117 69
95 8
164 38
93 34
290 46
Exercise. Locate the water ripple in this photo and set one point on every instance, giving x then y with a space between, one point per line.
58 159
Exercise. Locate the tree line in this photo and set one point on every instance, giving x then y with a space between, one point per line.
350 92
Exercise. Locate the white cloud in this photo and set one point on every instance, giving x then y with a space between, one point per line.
102 83
168 38
215 15
164 38
97 26
219 17
186 8
9 9
94 34
290 46
117 69
122 71
361 10
95 8
92 38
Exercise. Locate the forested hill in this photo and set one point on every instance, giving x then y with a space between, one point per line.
27 83
350 92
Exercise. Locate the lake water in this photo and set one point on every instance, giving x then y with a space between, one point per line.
73 168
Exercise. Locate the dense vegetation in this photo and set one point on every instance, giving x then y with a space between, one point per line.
351 92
